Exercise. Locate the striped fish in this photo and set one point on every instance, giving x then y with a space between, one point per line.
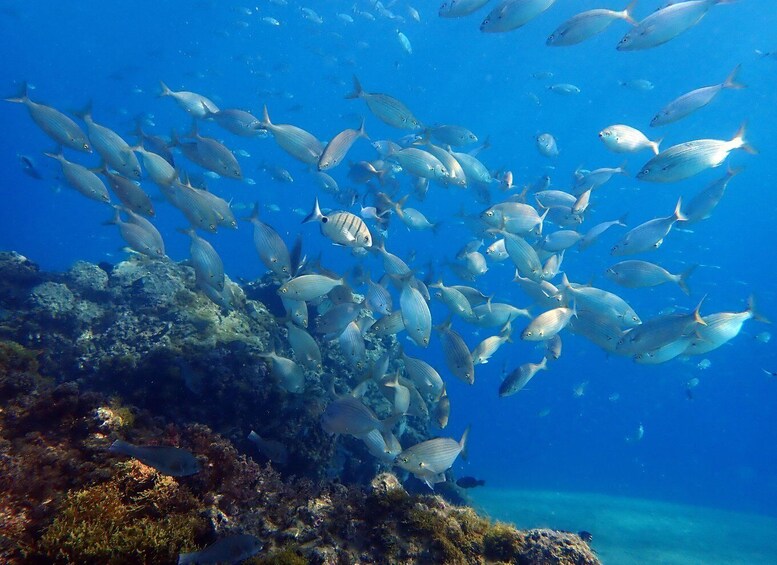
207 264
343 228
388 325
304 347
520 377
161 172
308 287
352 345
338 147
442 410
548 324
297 142
429 460
386 108
138 237
270 246
415 314
112 148
54 123
425 377
457 355
82 179
130 194
288 374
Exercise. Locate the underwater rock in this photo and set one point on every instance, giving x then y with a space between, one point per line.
87 278
52 300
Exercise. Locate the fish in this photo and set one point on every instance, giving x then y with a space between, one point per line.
456 354
720 328
29 167
270 246
208 267
475 172
640 84
470 482
161 172
489 346
560 240
600 302
587 180
642 274
404 42
383 448
171 461
416 315
524 256
297 311
378 298
442 410
130 194
429 460
456 302
238 122
336 150
425 377
195 104
701 206
275 451
497 314
82 179
336 320
400 394
520 377
553 348
546 145
297 142
304 348
657 332
412 218
626 139
586 24
420 163
343 228
512 14
460 8
349 415
139 234
452 135
215 157
687 159
54 123
564 89
114 151
351 343
548 324
665 24
308 287
649 235
386 108
592 235
230 549
286 372
390 324
694 100
514 217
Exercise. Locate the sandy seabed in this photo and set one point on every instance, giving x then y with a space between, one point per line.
630 531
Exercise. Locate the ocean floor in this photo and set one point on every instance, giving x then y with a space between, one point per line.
630 531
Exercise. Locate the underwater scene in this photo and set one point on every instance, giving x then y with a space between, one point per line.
388 281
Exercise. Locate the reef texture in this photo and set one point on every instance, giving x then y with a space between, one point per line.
135 352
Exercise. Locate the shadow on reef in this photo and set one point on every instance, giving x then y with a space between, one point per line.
132 352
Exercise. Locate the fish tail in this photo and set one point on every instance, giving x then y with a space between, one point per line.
627 11
165 91
357 89
121 446
190 231
315 215
265 123
622 219
696 315
362 132
654 145
116 220
542 221
678 213
208 112
754 312
731 79
683 280
739 140
463 442
56 154
22 97
85 113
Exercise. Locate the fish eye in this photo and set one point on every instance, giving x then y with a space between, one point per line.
324 220
85 146
283 290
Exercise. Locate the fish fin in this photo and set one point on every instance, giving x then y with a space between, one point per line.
21 97
85 113
362 132
654 145
208 112
165 91
265 122
683 280
731 79
463 442
696 316
740 139
678 213
358 92
315 215
56 154
626 13
542 220
116 220
752 309
121 446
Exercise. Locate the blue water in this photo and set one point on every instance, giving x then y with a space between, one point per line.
716 449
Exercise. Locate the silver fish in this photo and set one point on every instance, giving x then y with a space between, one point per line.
593 234
701 206
420 163
54 123
442 410
553 348
308 287
586 24
548 324
297 142
235 121
497 314
161 172
649 235
352 345
336 150
139 234
386 108
416 316
193 103
520 377
343 228
720 328
429 460
667 23
112 148
600 302
489 346
452 135
626 139
546 145
456 302
334 321
349 415
460 8
425 377
475 172
641 274
303 346
512 14
215 157
208 267
82 179
694 100
271 248
560 240
288 374
130 194
457 355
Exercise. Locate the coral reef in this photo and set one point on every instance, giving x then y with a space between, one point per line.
83 363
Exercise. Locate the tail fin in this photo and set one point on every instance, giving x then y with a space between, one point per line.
362 132
86 113
731 79
463 442
315 215
22 97
626 13
678 213
165 90
739 140
696 315
357 89
654 145
683 280
752 309
265 123
121 446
